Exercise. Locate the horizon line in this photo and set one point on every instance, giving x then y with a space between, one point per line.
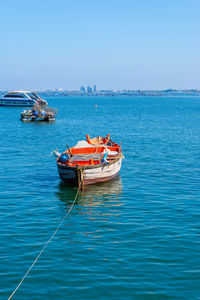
99 90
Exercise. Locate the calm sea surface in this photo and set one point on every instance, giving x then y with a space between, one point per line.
137 237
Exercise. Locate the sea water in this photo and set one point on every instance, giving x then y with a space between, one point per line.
136 237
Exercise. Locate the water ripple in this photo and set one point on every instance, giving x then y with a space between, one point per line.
136 237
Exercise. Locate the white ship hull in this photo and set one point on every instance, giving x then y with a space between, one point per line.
10 102
21 98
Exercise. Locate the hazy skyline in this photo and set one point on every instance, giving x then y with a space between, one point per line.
113 44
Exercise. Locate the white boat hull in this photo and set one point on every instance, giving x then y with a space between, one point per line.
91 174
16 103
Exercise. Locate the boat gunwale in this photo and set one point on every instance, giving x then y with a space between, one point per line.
88 166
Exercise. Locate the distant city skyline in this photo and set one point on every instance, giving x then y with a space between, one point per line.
146 45
89 89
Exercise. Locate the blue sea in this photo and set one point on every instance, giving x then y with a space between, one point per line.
136 237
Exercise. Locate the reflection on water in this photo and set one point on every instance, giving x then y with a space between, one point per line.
108 193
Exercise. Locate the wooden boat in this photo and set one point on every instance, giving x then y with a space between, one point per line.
92 161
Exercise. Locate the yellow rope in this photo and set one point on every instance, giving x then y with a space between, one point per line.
56 230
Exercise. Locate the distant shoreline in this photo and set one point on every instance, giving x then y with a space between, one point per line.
116 93
120 93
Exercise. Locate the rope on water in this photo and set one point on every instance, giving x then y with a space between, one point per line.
46 244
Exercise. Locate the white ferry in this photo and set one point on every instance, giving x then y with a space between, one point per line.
21 98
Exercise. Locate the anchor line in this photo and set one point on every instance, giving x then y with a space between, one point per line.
46 244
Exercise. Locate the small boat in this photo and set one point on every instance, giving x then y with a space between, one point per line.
92 161
21 98
38 113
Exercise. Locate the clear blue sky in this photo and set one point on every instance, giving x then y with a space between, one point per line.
144 44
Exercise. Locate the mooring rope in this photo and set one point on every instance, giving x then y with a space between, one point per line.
56 230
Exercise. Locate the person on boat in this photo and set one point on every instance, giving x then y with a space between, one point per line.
35 112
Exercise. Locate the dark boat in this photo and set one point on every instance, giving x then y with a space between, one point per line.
38 113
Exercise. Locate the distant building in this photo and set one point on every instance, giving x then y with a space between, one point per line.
82 89
89 89
95 88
